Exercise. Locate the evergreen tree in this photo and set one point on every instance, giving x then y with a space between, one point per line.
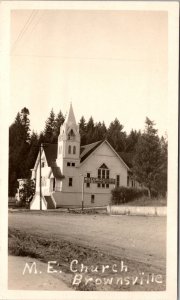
49 130
25 123
41 138
15 131
58 122
99 132
147 159
162 180
90 131
19 143
103 130
132 140
33 151
20 129
116 137
82 130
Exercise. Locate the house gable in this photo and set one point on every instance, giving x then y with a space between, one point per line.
104 161
108 151
43 156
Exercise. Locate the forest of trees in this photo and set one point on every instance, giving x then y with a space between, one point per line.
147 152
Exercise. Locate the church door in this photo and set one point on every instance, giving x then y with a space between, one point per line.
52 184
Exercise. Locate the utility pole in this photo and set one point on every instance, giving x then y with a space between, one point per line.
82 191
40 192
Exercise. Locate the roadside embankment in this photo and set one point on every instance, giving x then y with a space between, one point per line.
137 210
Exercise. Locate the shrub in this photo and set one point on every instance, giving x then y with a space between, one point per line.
123 194
26 193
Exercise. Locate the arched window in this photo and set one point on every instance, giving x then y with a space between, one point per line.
71 135
69 149
74 149
103 173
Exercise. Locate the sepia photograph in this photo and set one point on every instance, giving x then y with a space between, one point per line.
92 149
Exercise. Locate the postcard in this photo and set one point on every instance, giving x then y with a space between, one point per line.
89 149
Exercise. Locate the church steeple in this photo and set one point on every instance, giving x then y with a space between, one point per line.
70 118
69 124
69 141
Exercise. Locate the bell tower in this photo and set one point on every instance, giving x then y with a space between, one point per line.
69 142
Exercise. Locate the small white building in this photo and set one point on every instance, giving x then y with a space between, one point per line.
65 165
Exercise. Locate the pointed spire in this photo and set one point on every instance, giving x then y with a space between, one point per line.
70 118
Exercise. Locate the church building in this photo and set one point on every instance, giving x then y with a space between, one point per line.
73 175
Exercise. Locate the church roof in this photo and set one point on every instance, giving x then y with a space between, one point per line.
88 149
51 153
57 172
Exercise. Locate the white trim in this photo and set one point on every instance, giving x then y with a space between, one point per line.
50 172
117 154
38 159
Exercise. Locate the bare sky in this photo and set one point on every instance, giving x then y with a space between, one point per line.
108 63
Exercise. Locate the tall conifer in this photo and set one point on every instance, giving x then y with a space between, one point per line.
83 130
19 144
147 159
116 136
49 129
59 120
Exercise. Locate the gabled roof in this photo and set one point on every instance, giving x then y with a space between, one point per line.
88 149
51 153
56 171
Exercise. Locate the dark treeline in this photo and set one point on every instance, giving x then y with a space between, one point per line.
24 144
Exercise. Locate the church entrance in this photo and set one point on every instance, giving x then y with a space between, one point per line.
52 184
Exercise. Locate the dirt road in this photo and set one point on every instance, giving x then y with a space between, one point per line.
138 238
